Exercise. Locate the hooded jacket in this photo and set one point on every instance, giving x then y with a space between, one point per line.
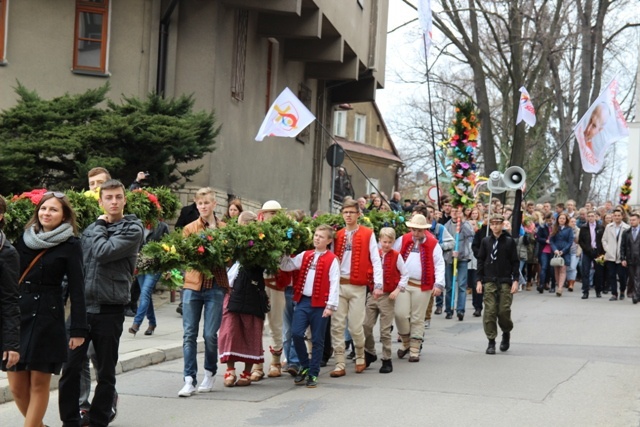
110 252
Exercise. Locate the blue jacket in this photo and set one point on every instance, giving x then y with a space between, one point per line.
562 241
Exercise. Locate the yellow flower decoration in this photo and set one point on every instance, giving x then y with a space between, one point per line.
173 249
261 236
166 247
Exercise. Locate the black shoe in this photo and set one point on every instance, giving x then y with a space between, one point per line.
128 312
605 292
614 298
438 310
387 367
491 348
114 407
323 363
449 316
598 295
369 358
540 289
312 382
460 316
179 309
552 290
621 296
477 313
351 355
585 295
504 344
301 378
635 301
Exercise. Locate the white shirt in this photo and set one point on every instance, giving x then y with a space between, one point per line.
290 264
345 265
414 264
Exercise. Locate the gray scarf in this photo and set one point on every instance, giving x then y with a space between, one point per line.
47 239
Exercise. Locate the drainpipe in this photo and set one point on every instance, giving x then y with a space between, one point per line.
161 76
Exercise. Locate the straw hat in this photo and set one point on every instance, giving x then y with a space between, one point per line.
271 206
418 221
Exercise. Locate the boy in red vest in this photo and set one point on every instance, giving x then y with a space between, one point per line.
382 301
424 262
316 294
357 251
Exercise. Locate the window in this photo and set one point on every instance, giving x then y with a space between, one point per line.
371 188
91 43
360 128
3 29
240 54
340 123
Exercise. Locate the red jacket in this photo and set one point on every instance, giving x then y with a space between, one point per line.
426 258
321 284
361 267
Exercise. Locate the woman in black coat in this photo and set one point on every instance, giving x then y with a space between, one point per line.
49 252
9 310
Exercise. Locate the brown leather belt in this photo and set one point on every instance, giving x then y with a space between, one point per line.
345 281
271 283
417 285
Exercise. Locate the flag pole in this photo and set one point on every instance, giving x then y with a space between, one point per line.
352 161
433 139
553 156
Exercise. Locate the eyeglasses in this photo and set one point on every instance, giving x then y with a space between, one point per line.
350 213
55 194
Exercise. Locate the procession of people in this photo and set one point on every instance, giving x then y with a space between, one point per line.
316 303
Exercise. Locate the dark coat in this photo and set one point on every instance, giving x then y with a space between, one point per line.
506 267
9 295
246 295
542 235
626 252
43 337
188 214
584 240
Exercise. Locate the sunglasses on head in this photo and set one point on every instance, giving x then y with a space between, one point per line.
55 194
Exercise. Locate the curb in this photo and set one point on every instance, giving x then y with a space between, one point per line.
126 363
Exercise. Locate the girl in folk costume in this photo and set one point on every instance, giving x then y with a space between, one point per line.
424 261
275 284
382 301
316 294
357 251
242 319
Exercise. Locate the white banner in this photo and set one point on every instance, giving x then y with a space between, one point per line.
526 111
602 125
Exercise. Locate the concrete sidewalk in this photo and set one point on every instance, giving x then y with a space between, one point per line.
139 351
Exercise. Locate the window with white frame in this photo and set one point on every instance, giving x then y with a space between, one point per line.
371 188
360 128
3 29
340 123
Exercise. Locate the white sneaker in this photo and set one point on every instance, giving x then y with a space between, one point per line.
207 383
188 388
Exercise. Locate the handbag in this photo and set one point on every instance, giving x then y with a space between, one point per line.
557 261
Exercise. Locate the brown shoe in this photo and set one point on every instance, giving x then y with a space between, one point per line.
275 370
230 378
256 375
337 373
414 358
244 380
402 353
360 368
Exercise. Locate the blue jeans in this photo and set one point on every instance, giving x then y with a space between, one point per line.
304 316
287 320
192 304
545 260
145 305
461 286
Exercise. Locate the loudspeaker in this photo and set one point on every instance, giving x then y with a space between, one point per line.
496 184
514 178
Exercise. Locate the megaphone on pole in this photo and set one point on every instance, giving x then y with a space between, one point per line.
514 178
495 183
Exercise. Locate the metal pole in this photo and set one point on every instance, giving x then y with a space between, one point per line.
433 138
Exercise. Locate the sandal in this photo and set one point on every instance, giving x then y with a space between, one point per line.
244 380
230 378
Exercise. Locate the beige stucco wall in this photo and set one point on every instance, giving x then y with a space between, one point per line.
40 49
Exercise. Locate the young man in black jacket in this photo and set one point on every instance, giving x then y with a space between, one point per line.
497 276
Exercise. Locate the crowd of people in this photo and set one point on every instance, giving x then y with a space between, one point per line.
320 302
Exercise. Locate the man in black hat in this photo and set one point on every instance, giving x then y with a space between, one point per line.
497 276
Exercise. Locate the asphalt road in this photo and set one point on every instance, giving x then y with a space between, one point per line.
572 362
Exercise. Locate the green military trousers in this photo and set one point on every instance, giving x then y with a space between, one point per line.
497 305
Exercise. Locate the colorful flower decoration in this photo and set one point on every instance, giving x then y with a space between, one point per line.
460 146
625 192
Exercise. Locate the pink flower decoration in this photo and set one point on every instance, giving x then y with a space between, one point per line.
250 243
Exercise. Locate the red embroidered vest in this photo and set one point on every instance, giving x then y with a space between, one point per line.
426 258
361 268
321 284
390 273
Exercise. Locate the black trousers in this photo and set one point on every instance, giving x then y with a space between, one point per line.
616 273
105 333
